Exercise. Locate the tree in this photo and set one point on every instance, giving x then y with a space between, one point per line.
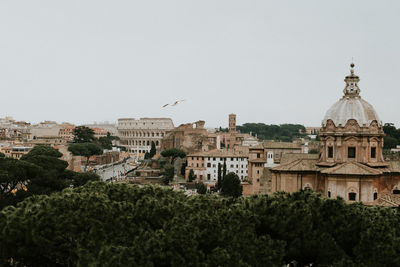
201 188
224 169
14 177
168 174
183 168
153 149
161 227
83 134
41 171
173 153
2 155
191 177
231 185
147 155
219 178
390 142
85 149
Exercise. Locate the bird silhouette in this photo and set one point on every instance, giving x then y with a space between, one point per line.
174 104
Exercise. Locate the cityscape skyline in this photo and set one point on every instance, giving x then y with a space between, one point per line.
269 62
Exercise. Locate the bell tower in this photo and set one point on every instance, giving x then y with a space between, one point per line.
232 123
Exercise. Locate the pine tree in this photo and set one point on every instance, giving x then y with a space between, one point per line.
153 149
219 181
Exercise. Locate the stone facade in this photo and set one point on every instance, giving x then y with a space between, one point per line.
350 162
137 135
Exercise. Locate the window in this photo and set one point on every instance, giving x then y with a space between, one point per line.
208 176
329 194
375 196
330 152
213 159
208 164
396 191
351 152
352 196
258 155
232 159
373 152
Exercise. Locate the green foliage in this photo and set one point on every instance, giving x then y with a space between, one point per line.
231 185
183 168
103 224
283 132
168 174
390 142
392 138
224 169
219 176
173 153
147 155
2 155
191 177
313 151
83 134
152 149
85 149
38 172
201 188
106 141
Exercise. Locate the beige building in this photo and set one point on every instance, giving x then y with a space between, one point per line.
350 162
137 135
193 137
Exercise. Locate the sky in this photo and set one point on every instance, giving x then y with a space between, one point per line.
273 62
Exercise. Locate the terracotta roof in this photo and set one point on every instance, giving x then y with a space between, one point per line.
284 145
299 165
219 153
290 157
352 168
260 160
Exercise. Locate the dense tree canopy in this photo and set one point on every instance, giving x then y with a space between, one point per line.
83 134
283 132
392 138
124 225
173 153
41 171
231 185
85 149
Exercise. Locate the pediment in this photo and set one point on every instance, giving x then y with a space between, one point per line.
352 126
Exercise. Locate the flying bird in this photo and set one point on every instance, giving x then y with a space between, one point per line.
174 104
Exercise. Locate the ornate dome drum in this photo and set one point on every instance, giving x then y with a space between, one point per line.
351 129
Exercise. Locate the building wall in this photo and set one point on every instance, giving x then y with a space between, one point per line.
206 167
137 135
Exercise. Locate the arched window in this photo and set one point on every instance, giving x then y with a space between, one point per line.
375 195
329 194
157 143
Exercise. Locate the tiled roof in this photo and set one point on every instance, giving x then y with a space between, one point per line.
299 165
283 145
352 168
394 166
290 157
220 153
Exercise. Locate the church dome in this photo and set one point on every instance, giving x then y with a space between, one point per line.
351 106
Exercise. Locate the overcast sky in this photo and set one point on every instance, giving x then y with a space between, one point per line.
267 61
